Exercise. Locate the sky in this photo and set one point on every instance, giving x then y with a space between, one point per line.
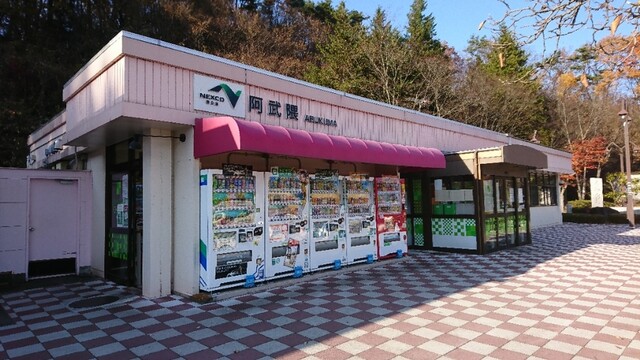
457 20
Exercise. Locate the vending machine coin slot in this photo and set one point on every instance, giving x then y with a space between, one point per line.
242 236
294 229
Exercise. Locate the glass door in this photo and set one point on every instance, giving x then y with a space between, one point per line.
510 211
522 213
117 251
490 218
123 238
505 213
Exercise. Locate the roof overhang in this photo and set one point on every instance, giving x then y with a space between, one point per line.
522 155
503 158
225 134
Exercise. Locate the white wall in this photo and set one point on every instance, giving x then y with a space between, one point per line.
13 221
96 162
14 215
542 216
157 204
186 216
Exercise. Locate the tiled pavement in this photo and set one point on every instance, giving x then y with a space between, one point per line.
574 294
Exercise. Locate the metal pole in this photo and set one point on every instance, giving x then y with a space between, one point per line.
627 153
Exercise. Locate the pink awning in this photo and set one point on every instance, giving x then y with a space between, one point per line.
225 134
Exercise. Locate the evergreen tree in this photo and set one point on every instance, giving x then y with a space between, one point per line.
429 87
499 91
389 66
341 62
322 11
421 29
502 56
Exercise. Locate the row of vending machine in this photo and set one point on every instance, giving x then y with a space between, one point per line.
256 226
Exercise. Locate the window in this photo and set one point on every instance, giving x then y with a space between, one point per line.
543 190
453 196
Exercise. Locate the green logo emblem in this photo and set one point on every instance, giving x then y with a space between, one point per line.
233 97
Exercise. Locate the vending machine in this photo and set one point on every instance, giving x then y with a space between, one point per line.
287 246
361 225
327 225
231 227
391 223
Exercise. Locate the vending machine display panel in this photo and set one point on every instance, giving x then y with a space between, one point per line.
287 221
361 234
328 233
231 221
390 216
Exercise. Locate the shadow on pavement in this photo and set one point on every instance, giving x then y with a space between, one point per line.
316 308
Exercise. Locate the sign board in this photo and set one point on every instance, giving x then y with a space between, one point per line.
596 192
236 170
218 96
326 173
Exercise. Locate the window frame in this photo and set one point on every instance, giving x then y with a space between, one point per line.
543 188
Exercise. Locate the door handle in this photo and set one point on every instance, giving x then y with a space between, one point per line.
31 228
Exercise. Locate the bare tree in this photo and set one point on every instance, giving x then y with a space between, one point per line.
550 20
432 91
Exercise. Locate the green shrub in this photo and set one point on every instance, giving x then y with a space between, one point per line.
580 206
597 219
584 206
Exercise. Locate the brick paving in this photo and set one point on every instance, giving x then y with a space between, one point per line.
573 294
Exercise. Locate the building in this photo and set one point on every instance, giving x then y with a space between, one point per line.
145 117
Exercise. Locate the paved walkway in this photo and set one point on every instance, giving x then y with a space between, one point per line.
574 294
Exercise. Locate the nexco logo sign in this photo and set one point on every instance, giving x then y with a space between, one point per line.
218 96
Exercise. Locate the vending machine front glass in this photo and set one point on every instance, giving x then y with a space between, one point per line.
328 234
361 228
231 227
391 223
287 246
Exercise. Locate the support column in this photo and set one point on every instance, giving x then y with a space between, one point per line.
157 214
97 163
186 217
